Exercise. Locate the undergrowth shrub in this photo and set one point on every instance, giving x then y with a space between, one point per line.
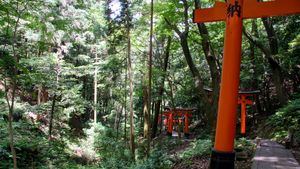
199 147
113 152
245 146
285 119
32 148
158 159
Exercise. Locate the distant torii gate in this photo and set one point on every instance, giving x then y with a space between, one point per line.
243 101
233 12
171 114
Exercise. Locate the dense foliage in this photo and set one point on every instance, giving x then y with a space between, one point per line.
286 120
66 69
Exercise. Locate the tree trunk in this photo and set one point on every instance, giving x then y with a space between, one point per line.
132 145
195 73
212 63
95 88
10 120
255 83
51 117
278 78
39 95
145 115
147 109
270 52
119 120
214 71
14 86
161 89
198 80
116 119
125 106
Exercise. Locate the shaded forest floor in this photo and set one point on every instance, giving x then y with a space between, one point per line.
193 153
202 162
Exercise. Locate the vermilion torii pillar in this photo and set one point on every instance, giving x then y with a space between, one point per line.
233 12
244 101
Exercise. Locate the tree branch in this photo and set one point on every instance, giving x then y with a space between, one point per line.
186 17
175 28
265 50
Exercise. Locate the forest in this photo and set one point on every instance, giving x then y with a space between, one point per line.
88 84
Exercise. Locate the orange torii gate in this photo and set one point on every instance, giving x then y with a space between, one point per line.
173 116
233 12
243 101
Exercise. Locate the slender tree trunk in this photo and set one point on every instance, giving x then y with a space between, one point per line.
14 86
278 78
132 145
58 71
161 89
255 83
84 87
270 52
95 88
116 119
198 81
147 109
144 120
151 115
161 113
51 117
146 113
199 84
141 117
125 105
213 67
131 100
10 120
39 95
119 120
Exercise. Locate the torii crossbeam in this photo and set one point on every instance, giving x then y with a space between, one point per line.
233 12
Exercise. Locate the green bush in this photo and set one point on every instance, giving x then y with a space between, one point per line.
285 119
244 145
113 152
199 148
32 148
157 160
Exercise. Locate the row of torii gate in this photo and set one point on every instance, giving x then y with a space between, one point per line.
172 117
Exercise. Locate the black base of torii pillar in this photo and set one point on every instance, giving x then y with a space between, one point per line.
222 160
